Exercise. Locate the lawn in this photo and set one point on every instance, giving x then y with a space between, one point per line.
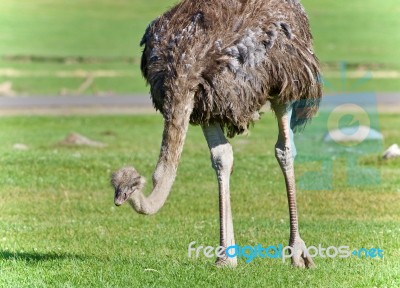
59 227
41 39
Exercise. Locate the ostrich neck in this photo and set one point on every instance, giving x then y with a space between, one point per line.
163 178
175 128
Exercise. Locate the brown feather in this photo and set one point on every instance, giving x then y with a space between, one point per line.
234 55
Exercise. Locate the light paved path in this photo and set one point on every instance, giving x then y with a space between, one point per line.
65 105
127 104
73 101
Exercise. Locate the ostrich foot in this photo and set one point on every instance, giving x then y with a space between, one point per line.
300 255
226 262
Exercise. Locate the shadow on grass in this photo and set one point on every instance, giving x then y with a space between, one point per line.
38 257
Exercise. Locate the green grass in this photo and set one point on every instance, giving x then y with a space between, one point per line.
69 85
76 28
358 32
59 227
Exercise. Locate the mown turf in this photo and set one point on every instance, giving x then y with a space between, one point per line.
59 227
357 32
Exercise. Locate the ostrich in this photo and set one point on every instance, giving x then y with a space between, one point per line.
215 63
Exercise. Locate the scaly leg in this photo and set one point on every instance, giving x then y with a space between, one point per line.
285 157
222 162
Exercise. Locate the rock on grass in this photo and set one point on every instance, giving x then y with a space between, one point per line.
75 139
392 152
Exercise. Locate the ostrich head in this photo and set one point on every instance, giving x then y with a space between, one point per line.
126 181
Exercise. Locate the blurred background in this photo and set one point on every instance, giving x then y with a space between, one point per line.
76 63
91 47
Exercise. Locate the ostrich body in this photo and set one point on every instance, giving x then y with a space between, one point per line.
215 64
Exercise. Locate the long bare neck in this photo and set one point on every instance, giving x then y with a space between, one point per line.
175 128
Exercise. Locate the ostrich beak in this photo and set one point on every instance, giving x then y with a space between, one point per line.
118 202
120 198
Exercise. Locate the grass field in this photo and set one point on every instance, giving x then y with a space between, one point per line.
59 227
71 35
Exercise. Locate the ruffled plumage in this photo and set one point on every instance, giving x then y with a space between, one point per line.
233 56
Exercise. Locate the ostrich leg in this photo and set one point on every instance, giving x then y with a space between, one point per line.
222 162
285 152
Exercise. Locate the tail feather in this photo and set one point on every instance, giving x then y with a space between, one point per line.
302 112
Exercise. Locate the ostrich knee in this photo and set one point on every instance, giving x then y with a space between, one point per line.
222 159
285 157
285 149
